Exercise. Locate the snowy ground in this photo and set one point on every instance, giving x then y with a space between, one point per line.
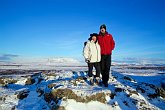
67 88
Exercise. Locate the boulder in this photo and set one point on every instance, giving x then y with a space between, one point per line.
23 94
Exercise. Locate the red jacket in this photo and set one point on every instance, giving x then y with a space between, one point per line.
107 44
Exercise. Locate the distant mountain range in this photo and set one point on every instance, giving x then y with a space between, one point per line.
76 62
46 61
142 61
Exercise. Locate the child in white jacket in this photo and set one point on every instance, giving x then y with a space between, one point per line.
92 54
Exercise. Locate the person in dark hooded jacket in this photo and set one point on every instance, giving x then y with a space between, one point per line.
107 44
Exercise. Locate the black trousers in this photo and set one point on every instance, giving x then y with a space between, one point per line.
90 69
105 67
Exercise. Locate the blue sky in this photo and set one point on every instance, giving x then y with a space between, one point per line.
58 28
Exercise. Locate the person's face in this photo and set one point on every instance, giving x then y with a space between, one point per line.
102 30
94 38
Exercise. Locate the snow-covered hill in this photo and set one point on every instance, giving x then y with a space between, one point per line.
130 88
62 60
43 64
141 61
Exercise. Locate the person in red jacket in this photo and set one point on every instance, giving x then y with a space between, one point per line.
107 44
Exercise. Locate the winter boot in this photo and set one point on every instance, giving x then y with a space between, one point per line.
98 81
105 84
91 81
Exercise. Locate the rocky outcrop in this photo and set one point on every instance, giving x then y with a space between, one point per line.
23 94
51 85
6 81
100 97
161 92
2 82
118 90
30 81
64 94
35 78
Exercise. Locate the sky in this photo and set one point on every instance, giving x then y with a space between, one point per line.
59 28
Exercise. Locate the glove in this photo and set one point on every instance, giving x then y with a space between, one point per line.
87 60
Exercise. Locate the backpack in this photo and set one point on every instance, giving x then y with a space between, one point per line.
85 43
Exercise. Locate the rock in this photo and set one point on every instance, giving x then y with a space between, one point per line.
30 81
128 78
35 78
152 86
2 82
6 81
51 85
140 89
48 97
38 74
135 101
152 95
118 89
112 95
85 78
39 80
23 94
80 78
98 97
69 94
13 108
142 103
2 98
51 74
74 83
133 92
12 81
163 84
61 108
57 107
126 103
161 92
115 77
40 92
114 104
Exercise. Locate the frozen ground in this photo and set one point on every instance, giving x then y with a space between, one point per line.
130 87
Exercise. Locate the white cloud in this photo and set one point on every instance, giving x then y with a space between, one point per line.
7 57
